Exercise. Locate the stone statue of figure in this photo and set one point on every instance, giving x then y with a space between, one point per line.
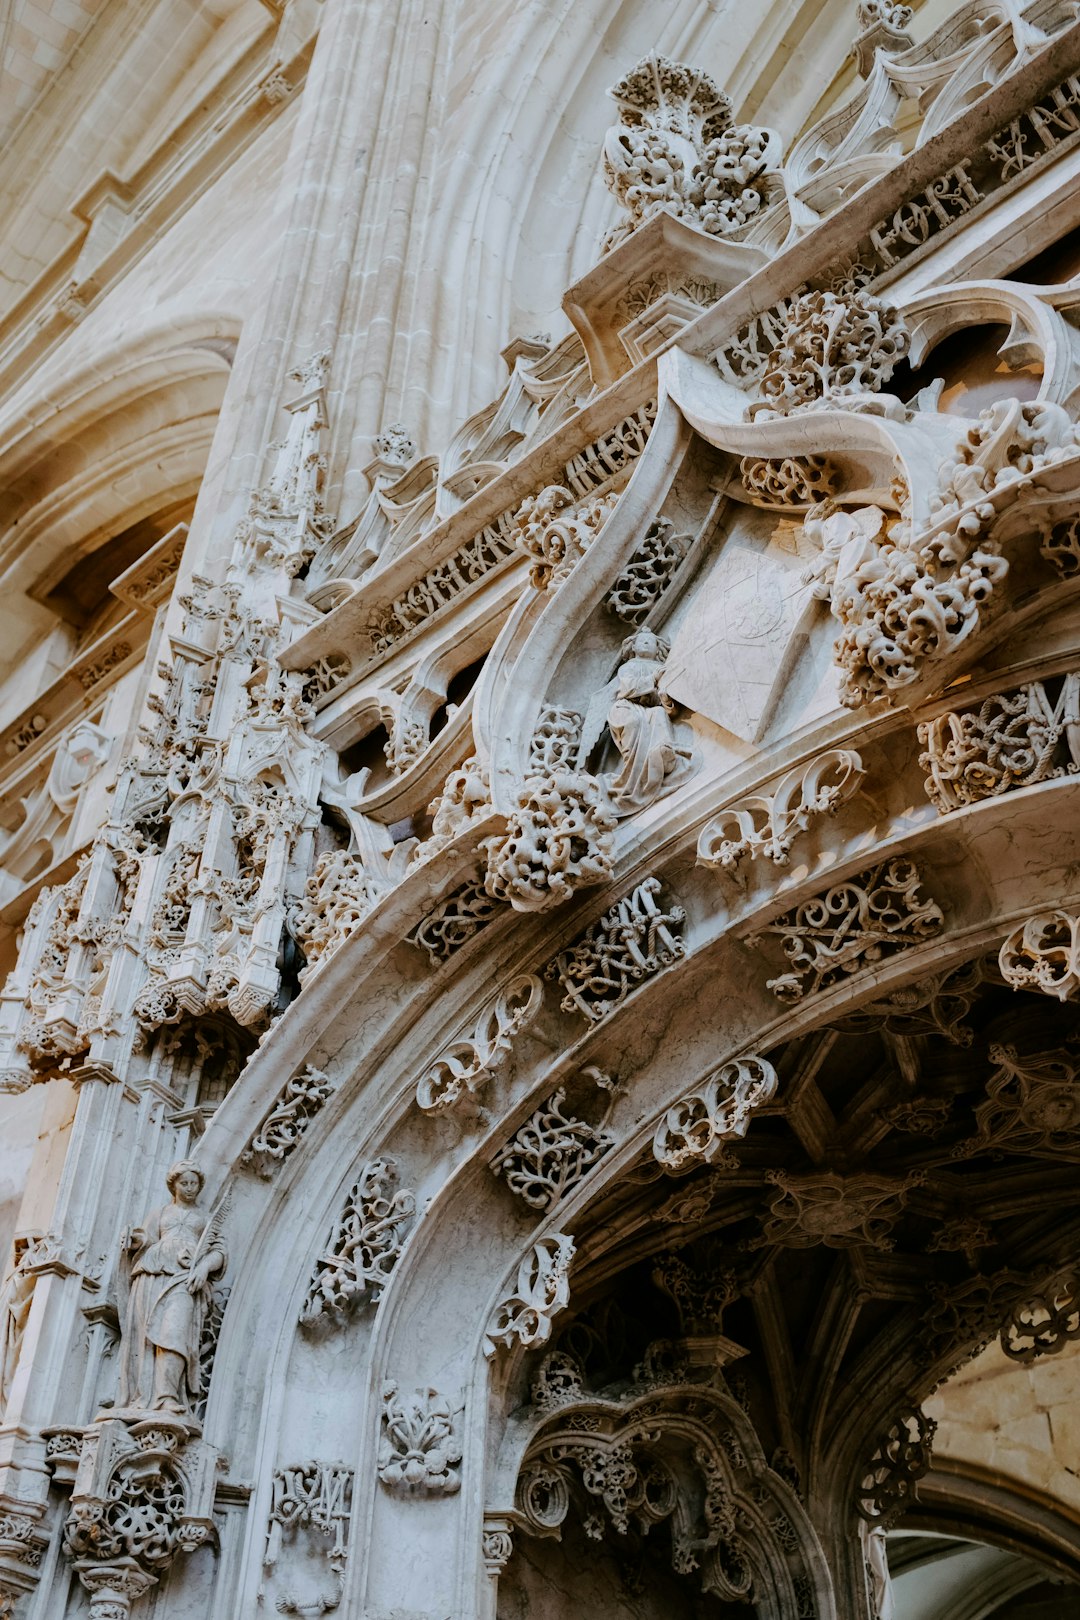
172 1258
639 718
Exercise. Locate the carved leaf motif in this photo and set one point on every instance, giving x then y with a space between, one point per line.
543 1289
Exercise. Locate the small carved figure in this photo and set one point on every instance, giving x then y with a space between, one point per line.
639 718
173 1257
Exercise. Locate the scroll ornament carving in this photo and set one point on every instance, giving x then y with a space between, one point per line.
420 1446
1012 740
852 926
834 352
543 1289
282 1131
337 897
553 1151
314 1496
1044 1323
1032 1104
559 839
936 1005
558 1383
454 921
631 942
649 572
498 1542
900 1459
1061 547
467 1065
695 1129
840 1212
165 1296
791 481
555 532
677 148
363 1248
1044 954
767 825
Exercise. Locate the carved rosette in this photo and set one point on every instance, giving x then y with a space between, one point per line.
420 1446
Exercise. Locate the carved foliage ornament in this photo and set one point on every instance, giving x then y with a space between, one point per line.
675 147
467 1065
363 1248
555 532
907 597
695 1129
543 1289
767 825
853 926
834 351
420 1447
559 838
554 1150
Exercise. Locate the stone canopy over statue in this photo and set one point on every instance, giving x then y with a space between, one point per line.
164 1299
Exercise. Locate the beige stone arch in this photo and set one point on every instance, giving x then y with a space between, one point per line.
466 1224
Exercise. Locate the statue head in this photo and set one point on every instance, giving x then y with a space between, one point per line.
645 644
185 1181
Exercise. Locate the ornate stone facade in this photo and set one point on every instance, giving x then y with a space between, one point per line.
540 741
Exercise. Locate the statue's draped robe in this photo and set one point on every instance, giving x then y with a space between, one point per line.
642 731
161 1312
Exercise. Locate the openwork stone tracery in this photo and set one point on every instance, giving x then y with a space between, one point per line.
464 834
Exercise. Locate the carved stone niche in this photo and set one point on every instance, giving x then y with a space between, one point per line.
685 1455
649 287
143 1492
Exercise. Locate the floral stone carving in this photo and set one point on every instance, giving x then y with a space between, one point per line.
454 921
558 839
694 1130
554 1150
420 1447
834 351
632 941
852 926
1032 1104
543 1289
363 1248
1044 954
676 147
337 896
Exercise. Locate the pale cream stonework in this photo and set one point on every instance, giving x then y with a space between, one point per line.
539 789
